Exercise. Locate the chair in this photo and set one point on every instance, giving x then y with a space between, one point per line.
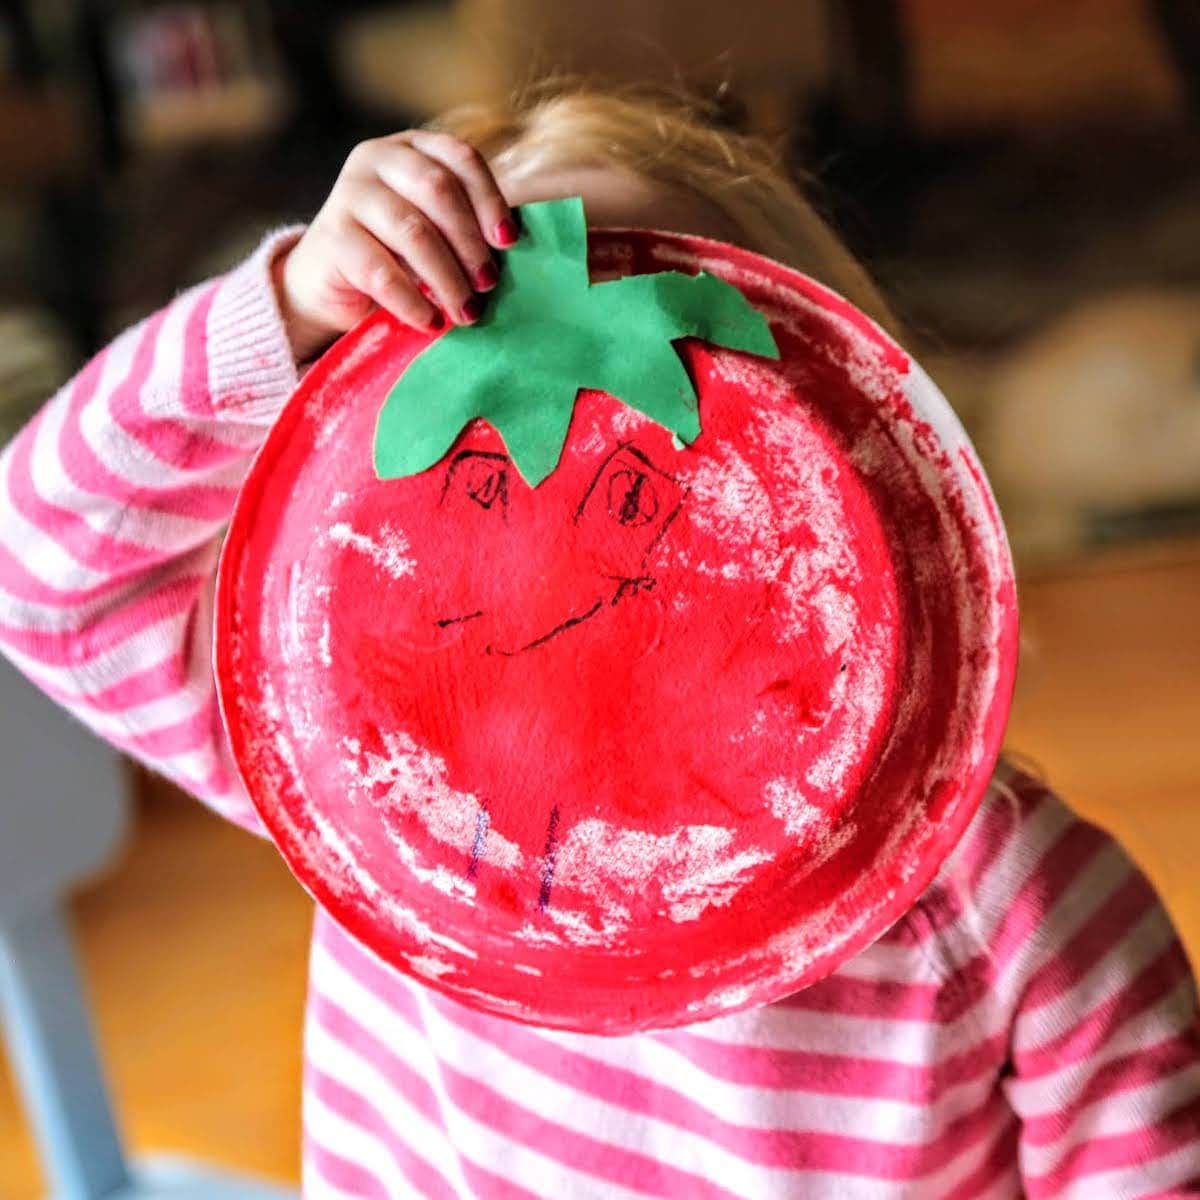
63 814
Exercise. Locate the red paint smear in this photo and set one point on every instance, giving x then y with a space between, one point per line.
595 649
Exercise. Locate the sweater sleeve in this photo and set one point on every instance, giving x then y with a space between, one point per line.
1105 1037
112 504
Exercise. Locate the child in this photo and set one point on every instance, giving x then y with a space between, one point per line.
1028 1027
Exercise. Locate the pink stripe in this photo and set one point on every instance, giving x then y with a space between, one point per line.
86 470
220 785
891 999
1089 1034
1139 1147
1150 1064
155 682
1000 1163
340 1025
836 1074
606 1161
578 1151
787 1149
181 737
940 907
75 647
640 1095
998 826
97 551
354 1108
1074 850
1093 942
19 583
771 1068
170 441
349 1177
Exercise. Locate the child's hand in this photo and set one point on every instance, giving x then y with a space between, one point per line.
413 213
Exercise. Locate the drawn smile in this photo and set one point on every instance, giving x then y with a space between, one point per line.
627 585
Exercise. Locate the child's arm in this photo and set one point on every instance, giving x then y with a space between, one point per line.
111 503
1106 1039
113 499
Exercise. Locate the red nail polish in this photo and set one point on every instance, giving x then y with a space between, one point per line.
486 277
506 232
472 310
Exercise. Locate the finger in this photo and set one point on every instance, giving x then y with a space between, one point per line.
442 196
370 267
409 233
495 219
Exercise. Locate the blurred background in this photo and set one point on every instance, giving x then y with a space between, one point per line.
1022 178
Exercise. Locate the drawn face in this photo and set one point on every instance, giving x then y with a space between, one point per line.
627 508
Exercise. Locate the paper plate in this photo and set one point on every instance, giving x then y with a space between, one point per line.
673 734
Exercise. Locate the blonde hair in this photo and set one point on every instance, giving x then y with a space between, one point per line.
672 139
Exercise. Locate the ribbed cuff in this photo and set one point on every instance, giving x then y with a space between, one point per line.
251 370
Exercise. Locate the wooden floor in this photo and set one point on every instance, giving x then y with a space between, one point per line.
195 945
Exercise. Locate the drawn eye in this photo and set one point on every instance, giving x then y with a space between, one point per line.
486 482
632 491
632 497
482 475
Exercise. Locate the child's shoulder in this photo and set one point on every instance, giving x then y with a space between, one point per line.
1026 875
1019 820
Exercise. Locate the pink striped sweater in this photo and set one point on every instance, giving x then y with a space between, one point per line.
1028 1028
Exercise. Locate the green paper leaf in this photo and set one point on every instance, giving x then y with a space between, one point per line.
546 333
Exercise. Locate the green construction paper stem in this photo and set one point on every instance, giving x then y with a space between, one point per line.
547 332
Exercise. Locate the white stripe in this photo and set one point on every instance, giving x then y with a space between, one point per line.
193 693
889 962
890 1122
133 462
43 557
1174 1169
898 1122
159 532
1043 1094
1112 974
123 454
660 1140
1127 1111
960 1167
490 1149
354 1144
74 618
356 1074
1015 866
591 1117
111 665
314 1185
911 1042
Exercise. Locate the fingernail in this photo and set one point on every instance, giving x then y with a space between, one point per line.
506 232
436 322
486 277
472 310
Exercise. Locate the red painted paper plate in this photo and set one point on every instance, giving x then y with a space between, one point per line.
672 734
